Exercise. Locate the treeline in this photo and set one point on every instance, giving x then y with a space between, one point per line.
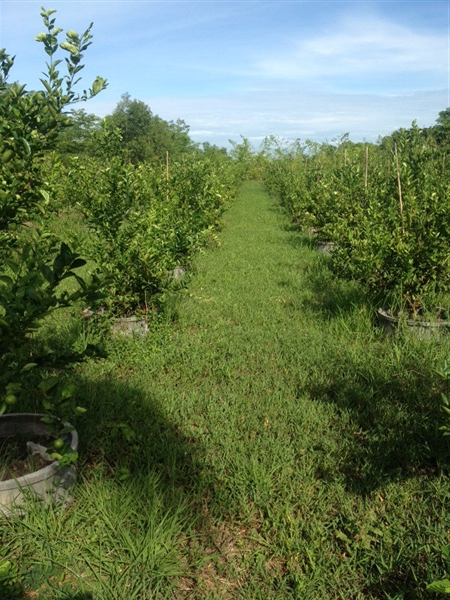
144 136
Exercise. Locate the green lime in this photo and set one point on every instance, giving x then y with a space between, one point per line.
10 399
58 444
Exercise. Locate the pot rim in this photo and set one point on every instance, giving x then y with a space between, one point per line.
383 312
45 472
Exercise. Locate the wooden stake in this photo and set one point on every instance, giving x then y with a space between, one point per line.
399 184
167 175
367 168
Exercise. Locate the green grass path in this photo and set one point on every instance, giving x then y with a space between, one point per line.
243 352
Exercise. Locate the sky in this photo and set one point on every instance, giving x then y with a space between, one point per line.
308 70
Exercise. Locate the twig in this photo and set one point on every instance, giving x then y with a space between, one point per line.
399 183
167 175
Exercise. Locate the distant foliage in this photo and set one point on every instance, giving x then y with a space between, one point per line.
147 137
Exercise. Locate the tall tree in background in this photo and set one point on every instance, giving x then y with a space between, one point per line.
146 136
441 130
77 137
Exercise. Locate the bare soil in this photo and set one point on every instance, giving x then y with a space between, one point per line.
16 460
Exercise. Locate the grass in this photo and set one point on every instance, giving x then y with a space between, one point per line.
265 442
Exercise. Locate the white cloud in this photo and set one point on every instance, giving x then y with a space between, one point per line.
360 46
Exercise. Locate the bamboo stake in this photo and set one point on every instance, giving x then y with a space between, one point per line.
399 183
367 168
366 173
167 175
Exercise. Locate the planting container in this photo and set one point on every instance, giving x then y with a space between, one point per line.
130 326
178 273
50 483
421 328
325 247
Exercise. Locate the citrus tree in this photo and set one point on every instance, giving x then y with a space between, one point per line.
33 262
384 206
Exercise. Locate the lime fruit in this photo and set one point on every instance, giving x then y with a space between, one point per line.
10 399
58 444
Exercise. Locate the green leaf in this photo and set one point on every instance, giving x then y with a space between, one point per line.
13 387
341 535
27 367
441 587
65 430
78 262
45 195
5 567
26 146
45 419
5 279
49 383
4 324
69 47
98 85
68 391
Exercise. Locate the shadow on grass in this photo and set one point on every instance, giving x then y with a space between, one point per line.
390 389
333 296
330 296
18 593
142 480
127 429
393 423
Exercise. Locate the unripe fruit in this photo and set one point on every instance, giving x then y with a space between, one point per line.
58 444
7 156
10 399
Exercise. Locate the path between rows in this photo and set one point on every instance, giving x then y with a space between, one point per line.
246 344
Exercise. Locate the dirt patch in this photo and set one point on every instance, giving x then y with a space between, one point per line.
16 460
222 561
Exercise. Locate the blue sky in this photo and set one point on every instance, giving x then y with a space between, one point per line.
292 69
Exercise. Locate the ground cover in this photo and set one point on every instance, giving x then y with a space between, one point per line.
266 441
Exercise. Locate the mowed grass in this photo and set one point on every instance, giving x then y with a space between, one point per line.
266 441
